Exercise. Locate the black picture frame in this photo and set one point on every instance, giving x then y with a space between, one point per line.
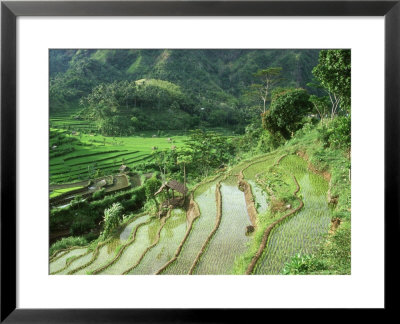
10 10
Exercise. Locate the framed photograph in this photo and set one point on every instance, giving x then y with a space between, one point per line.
163 159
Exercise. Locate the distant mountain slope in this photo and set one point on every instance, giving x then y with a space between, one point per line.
213 79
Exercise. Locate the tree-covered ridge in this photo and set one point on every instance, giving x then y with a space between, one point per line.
213 82
123 108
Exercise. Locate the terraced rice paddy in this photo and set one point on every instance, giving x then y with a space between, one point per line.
254 169
145 236
128 230
205 198
105 254
60 263
80 156
143 252
171 235
59 192
303 232
260 197
219 257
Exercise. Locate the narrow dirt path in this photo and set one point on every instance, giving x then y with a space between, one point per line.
267 232
249 198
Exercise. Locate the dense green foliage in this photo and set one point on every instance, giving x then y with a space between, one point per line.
123 108
183 88
67 242
288 108
334 73
83 216
112 218
302 264
203 153
337 132
151 186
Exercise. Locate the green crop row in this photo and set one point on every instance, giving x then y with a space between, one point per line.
203 195
230 240
303 232
59 192
170 237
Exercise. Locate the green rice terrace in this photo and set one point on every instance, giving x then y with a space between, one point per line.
200 162
210 233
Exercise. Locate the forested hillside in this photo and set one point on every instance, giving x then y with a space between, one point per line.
204 87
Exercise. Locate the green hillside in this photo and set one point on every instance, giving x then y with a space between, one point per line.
212 82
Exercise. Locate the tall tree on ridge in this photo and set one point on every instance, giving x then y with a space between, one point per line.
269 78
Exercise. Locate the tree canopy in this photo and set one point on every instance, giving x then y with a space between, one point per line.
288 108
334 73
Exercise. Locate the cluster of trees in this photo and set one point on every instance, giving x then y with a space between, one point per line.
211 82
204 152
283 110
121 108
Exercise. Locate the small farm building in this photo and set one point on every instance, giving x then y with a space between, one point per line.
174 186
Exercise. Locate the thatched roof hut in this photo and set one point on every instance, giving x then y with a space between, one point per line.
174 185
177 186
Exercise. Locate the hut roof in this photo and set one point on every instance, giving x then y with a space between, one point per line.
174 185
177 186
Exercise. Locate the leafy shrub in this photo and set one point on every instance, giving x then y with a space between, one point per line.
269 142
307 128
130 204
341 134
67 242
151 186
91 236
99 194
287 110
81 226
61 218
112 218
302 264
337 133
